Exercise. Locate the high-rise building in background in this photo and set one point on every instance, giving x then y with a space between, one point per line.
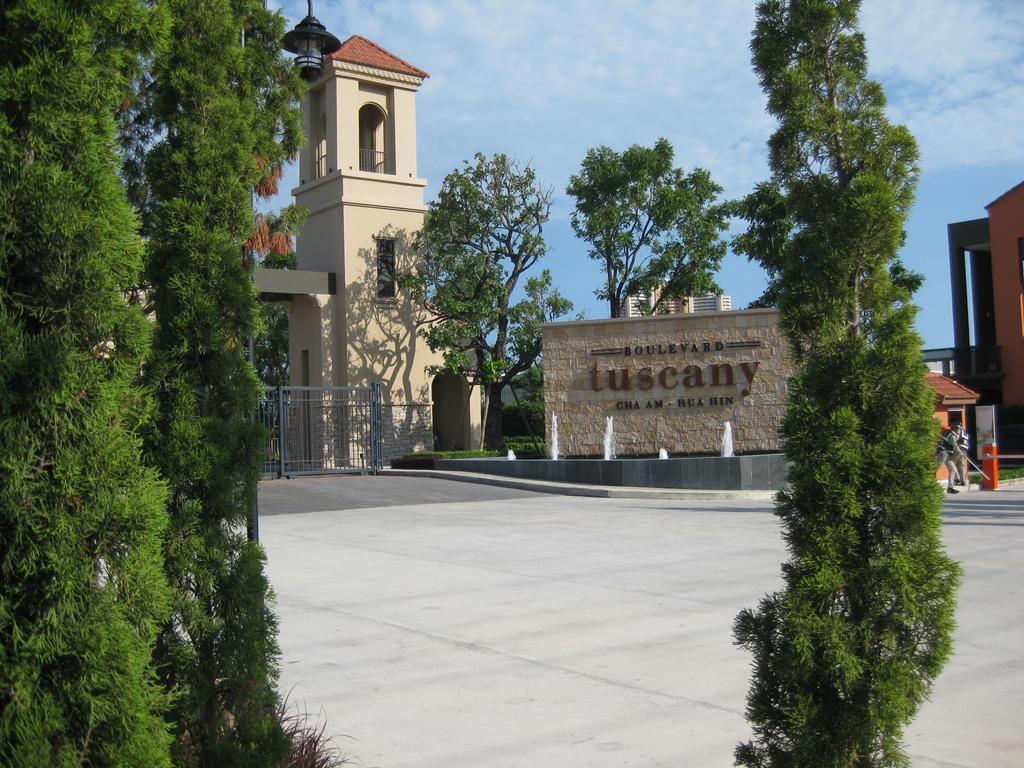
709 303
640 304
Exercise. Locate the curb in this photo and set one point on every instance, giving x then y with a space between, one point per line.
574 489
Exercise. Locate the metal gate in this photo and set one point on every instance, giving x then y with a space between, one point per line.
322 430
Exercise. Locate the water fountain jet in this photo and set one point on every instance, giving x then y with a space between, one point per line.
727 441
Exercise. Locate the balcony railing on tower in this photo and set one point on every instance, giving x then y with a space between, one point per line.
979 361
371 161
968 362
320 160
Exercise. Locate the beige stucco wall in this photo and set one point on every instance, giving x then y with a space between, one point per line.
306 342
381 338
355 338
693 409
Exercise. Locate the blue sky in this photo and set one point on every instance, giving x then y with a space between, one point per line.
545 81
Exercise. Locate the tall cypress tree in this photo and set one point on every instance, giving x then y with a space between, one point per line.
82 591
846 652
225 101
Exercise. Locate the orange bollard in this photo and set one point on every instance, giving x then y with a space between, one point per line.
990 466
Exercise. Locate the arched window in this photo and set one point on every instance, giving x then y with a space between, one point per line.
372 121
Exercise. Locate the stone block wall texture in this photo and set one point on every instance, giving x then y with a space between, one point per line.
665 402
406 428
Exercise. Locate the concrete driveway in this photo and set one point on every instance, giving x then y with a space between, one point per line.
438 624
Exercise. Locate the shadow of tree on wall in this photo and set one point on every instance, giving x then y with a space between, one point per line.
381 335
383 345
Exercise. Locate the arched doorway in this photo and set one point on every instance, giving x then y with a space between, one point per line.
450 397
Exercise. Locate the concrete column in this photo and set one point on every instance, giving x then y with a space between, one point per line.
334 137
347 121
404 116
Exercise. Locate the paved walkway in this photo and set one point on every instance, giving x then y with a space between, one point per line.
445 625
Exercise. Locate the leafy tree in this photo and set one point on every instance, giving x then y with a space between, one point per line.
479 238
531 385
769 227
271 246
224 101
528 387
271 342
82 592
847 651
652 227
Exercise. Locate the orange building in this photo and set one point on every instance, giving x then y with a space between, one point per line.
989 339
951 400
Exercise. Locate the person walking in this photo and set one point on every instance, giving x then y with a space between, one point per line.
946 453
963 445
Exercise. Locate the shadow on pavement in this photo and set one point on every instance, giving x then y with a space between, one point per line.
341 492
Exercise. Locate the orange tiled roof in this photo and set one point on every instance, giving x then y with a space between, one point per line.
359 50
950 392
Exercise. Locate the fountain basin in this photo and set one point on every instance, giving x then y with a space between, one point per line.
753 472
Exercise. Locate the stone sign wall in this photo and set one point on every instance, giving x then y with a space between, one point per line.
670 381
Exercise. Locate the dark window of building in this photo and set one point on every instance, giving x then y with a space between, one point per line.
1020 254
385 269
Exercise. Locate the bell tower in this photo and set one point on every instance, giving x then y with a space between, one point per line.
359 183
361 125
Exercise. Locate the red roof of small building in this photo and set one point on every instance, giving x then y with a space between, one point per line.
359 50
950 392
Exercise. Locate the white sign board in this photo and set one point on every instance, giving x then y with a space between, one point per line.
985 424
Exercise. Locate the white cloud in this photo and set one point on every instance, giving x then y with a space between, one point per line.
954 73
548 80
545 81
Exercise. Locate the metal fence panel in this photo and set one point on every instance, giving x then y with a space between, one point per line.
268 414
323 430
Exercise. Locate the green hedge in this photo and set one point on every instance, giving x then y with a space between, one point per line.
450 455
1005 473
526 447
426 459
523 446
